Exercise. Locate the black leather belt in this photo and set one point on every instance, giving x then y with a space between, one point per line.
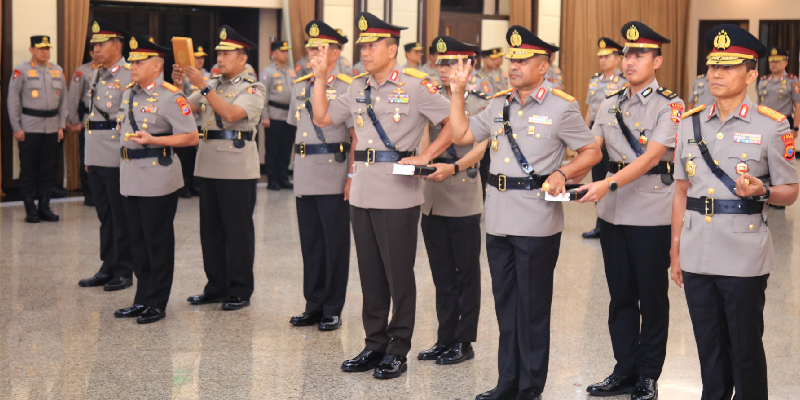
278 105
225 135
135 154
372 156
99 125
709 206
503 183
321 148
663 167
40 113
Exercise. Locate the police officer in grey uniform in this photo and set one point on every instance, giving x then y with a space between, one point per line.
431 68
228 169
493 69
451 225
358 68
390 108
701 93
781 90
722 252
188 154
322 186
530 128
37 110
601 85
153 119
77 108
554 74
303 66
279 137
413 55
638 126
102 156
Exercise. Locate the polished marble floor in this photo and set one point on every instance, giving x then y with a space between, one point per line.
59 341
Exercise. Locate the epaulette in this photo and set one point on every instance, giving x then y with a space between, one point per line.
697 109
480 94
361 75
474 79
345 78
302 78
557 70
440 87
701 76
596 75
669 94
130 85
563 95
771 113
415 73
791 76
765 77
251 79
502 93
127 66
616 92
172 88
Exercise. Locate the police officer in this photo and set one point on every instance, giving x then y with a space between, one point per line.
102 156
37 109
279 137
413 55
228 169
638 126
188 154
701 93
451 224
781 90
493 69
554 74
321 171
303 66
358 68
717 210
530 128
154 117
342 63
77 107
431 68
602 84
390 108
251 72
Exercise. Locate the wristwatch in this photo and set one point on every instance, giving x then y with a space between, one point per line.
205 90
456 165
612 185
763 197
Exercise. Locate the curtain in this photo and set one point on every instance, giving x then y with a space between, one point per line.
2 104
521 13
300 12
432 22
585 21
74 31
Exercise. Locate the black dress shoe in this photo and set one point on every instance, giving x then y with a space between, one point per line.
434 352
456 354
285 183
614 385
307 318
234 303
150 315
31 213
45 214
273 185
130 312
330 323
364 361
203 298
185 193
528 394
118 283
87 201
392 366
592 234
646 389
498 393
99 279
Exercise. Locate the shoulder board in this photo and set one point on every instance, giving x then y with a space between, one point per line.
669 94
791 76
217 76
127 66
345 78
251 80
563 95
172 88
440 87
697 109
480 94
502 93
130 85
765 77
415 73
558 70
596 75
701 76
481 75
616 92
302 78
771 113
361 75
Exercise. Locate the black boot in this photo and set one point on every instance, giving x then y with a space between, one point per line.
31 215
284 182
44 210
272 183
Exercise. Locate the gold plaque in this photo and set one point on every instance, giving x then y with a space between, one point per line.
691 168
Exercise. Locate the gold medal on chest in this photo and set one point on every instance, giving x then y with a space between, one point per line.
297 115
742 168
643 139
495 144
396 116
279 88
360 119
691 168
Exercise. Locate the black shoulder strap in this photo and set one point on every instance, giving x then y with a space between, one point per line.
134 125
377 124
523 163
718 172
93 91
635 145
317 129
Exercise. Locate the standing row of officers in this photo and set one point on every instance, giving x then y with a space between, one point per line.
684 194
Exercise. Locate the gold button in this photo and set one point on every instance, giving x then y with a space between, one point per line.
720 135
690 155
463 180
135 103
538 194
683 219
608 123
637 124
538 135
154 163
744 155
330 161
144 126
369 141
624 157
377 99
145 120
230 147
112 136
656 188
507 160
90 132
91 115
98 97
751 226
708 218
103 82
514 135
716 162
110 97
627 113
305 134
520 113
710 190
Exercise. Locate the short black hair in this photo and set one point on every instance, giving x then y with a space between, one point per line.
391 40
751 65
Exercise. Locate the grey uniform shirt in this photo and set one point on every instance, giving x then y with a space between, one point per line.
554 75
729 244
779 93
161 109
302 67
701 93
102 145
319 174
342 64
358 68
219 158
545 126
189 89
433 73
498 80
458 195
601 87
279 83
40 88
78 87
374 185
655 113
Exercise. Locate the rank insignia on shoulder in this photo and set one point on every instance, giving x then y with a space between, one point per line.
771 113
172 88
344 78
697 109
596 75
415 73
616 92
502 93
304 77
130 85
700 76
667 93
361 75
251 80
237 79
563 95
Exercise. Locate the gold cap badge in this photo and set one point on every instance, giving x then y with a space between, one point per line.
95 27
632 34
134 44
516 39
151 40
722 41
45 40
314 31
362 23
441 47
199 49
602 44
223 34
774 52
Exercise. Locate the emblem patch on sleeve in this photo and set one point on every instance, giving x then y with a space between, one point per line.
788 144
184 105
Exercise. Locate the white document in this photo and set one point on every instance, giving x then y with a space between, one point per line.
398 169
560 197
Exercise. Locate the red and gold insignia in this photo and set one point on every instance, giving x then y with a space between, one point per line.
17 73
676 112
540 93
252 90
487 88
772 114
172 88
297 67
744 110
184 105
742 168
214 71
115 69
291 73
788 144
151 86
330 79
431 87
711 110
394 75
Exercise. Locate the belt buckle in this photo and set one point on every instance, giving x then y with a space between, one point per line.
669 168
707 208
502 183
125 154
620 165
86 124
204 135
371 155
302 149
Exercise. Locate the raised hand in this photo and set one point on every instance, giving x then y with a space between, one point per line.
460 76
319 63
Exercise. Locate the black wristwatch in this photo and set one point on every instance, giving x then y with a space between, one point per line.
612 186
456 165
763 197
205 90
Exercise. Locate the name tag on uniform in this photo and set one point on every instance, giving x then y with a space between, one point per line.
398 99
691 141
498 120
752 138
540 119
360 100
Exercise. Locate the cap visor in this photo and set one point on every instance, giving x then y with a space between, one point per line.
778 58
201 54
226 46
605 52
521 54
42 46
